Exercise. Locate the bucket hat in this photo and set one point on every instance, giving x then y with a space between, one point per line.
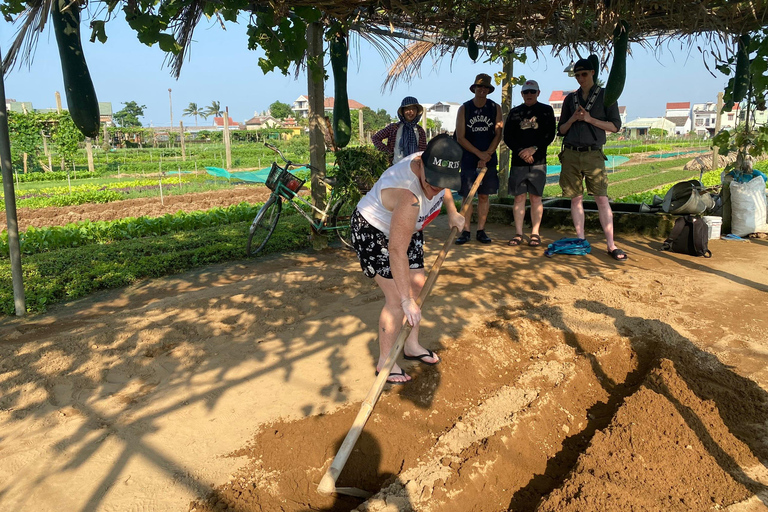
484 80
407 102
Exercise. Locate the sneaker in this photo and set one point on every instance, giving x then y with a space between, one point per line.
463 238
482 237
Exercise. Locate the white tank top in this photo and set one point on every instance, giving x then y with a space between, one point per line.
399 176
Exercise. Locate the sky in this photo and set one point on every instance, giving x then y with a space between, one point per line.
221 68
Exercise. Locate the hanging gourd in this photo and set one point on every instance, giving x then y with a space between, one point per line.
594 60
741 76
81 95
472 49
618 75
342 122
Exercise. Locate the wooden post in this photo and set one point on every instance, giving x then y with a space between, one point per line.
424 122
89 152
506 106
6 169
316 97
24 160
360 126
227 144
183 147
58 102
718 113
45 144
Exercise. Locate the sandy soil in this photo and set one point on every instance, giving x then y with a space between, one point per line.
146 207
567 384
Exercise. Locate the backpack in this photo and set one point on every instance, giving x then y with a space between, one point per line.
577 246
689 236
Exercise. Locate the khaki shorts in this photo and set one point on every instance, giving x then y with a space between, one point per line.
586 166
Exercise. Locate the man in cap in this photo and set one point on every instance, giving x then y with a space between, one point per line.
387 235
529 129
478 129
583 123
405 137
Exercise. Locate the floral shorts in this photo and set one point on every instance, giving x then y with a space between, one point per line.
372 247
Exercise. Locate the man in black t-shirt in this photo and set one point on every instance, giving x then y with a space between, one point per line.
529 129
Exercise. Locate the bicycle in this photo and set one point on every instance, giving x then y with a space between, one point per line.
285 186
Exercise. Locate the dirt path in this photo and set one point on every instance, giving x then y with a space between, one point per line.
571 383
147 207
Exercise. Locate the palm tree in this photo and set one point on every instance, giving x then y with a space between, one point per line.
194 110
214 109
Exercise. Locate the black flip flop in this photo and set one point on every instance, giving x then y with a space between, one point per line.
421 358
618 255
401 373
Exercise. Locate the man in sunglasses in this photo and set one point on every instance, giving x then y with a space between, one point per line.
478 130
583 123
529 129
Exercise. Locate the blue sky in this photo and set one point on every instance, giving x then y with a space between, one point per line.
222 68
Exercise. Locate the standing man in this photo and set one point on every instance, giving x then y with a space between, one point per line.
583 122
478 129
529 129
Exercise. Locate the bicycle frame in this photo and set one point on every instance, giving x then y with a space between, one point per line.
283 193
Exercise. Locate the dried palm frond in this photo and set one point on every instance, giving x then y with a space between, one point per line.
33 21
408 64
183 28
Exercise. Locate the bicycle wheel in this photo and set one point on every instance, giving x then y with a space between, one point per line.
342 213
263 225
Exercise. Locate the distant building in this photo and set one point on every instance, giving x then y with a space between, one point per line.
218 124
105 113
261 122
556 101
642 125
623 115
301 105
443 111
680 114
705 117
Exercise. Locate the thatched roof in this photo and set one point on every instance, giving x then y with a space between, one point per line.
437 25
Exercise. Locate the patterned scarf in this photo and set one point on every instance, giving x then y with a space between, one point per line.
408 141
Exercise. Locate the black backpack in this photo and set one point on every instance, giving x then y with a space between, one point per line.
689 236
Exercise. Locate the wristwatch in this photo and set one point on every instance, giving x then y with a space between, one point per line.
535 148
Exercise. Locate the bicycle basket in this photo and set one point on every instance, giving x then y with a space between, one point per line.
280 175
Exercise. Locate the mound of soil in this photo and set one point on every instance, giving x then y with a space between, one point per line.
566 384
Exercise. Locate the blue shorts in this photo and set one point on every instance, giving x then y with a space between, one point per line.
489 185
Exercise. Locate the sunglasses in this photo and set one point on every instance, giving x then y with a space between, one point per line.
581 74
529 91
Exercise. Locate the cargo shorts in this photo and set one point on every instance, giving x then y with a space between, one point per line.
583 166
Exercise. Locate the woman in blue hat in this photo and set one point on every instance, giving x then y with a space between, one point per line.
403 138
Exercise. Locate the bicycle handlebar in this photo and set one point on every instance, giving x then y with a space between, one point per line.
288 162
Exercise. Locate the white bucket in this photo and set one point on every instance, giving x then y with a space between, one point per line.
713 226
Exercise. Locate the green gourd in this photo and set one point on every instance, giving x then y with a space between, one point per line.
741 76
342 123
472 50
594 60
81 95
618 75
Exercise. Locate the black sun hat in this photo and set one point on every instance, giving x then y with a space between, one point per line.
442 161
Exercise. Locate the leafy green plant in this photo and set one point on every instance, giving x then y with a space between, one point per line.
357 169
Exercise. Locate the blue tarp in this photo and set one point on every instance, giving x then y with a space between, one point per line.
613 161
259 176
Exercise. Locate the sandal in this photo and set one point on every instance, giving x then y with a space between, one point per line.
618 254
421 358
401 373
534 241
516 240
